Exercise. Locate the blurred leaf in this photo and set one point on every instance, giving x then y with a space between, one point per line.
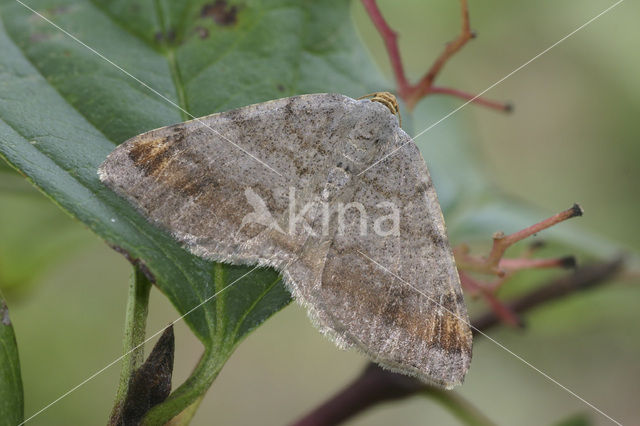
5 168
12 182
474 208
63 109
11 396
447 147
576 420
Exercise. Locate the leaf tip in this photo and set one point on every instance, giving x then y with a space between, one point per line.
150 385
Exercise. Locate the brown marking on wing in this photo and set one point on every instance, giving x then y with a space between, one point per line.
449 329
199 185
441 328
151 155
453 337
180 177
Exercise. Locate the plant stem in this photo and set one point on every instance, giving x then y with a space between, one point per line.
501 242
185 417
500 106
375 385
582 279
372 387
134 334
492 263
412 93
189 392
390 39
462 409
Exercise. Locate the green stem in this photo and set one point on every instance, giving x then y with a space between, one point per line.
184 401
134 333
11 390
170 52
185 417
190 391
458 406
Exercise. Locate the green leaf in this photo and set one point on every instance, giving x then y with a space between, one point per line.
63 109
11 396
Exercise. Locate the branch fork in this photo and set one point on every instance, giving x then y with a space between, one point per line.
413 93
375 385
503 268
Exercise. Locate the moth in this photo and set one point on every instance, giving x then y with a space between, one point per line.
290 184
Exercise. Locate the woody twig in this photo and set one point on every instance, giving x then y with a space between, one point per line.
495 264
375 385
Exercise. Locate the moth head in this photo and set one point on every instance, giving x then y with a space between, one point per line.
387 99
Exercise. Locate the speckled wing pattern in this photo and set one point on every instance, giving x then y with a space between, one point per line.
200 181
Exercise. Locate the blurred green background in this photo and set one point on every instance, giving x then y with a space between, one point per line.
573 137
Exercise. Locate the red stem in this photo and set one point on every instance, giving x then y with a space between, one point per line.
375 386
488 293
390 38
425 85
500 106
412 93
372 387
501 242
523 263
